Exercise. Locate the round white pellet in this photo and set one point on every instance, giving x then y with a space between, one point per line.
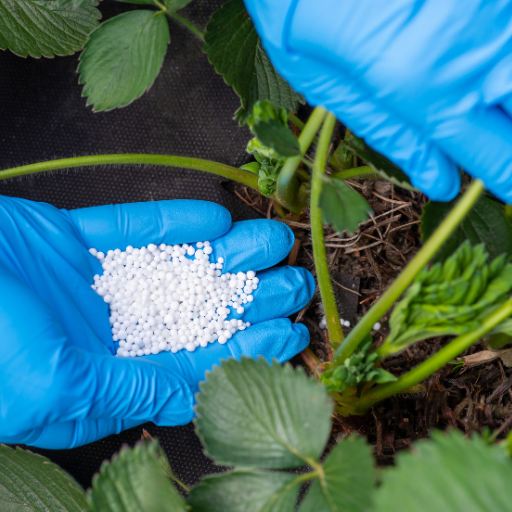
377 326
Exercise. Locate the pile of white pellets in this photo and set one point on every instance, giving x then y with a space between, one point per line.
171 297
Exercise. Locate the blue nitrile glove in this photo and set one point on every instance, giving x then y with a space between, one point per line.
61 385
426 83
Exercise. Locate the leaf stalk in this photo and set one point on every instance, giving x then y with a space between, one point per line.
186 23
287 185
317 234
356 172
226 171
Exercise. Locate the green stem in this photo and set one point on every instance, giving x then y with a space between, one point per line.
356 172
436 362
246 178
425 254
296 121
287 187
186 488
317 233
310 360
180 19
162 6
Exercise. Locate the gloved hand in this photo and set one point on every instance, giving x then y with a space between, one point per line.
61 384
426 83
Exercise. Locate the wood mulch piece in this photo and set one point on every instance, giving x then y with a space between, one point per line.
471 400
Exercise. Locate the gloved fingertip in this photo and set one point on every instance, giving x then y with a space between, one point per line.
275 339
439 181
282 238
254 245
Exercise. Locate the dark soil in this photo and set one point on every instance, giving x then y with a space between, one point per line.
477 399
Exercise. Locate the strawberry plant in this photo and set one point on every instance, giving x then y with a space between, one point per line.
457 285
271 425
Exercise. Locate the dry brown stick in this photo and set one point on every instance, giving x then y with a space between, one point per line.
356 249
370 229
293 223
292 257
338 245
405 205
333 237
369 255
390 200
255 208
333 257
386 243
504 376
404 225
503 426
344 287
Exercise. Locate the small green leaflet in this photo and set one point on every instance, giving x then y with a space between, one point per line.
235 50
278 137
134 482
387 169
357 369
485 224
447 473
122 58
342 158
31 482
45 29
270 125
342 208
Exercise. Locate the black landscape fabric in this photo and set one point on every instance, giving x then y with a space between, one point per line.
188 111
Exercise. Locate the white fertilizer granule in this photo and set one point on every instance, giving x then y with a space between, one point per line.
170 297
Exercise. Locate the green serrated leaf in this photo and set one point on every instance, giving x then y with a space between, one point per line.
122 58
278 137
31 482
485 224
450 299
448 473
348 482
45 29
246 491
342 158
253 167
387 169
342 208
248 415
134 482
235 50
